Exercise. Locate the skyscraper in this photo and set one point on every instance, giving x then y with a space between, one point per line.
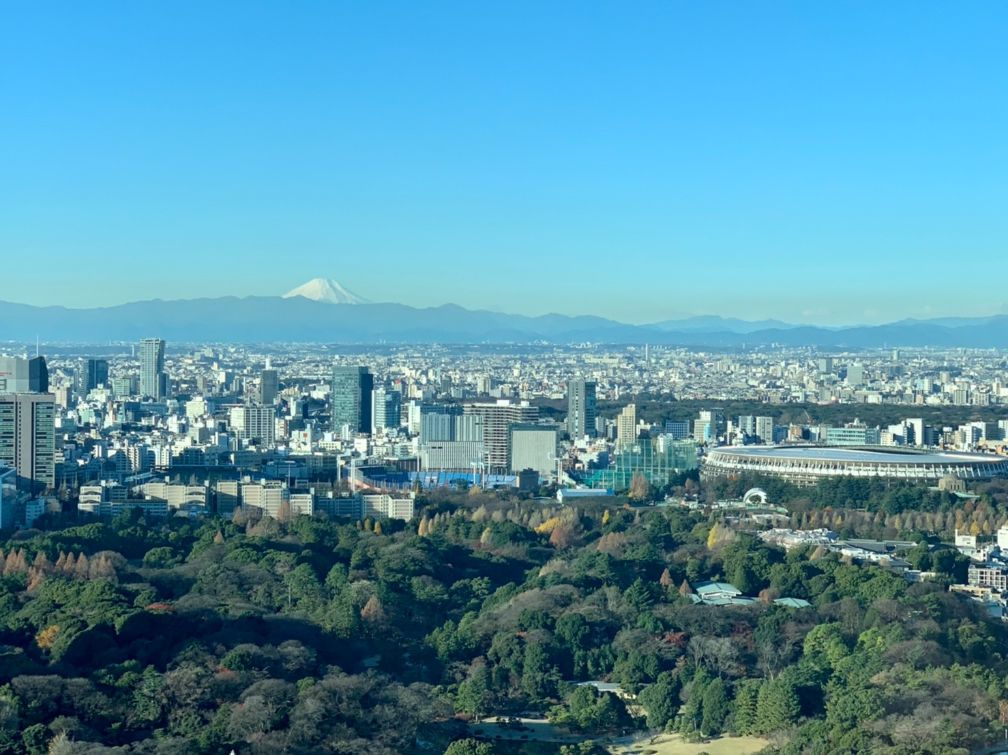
385 409
254 423
97 374
497 421
21 375
626 427
28 438
153 381
268 386
855 374
765 429
580 408
351 399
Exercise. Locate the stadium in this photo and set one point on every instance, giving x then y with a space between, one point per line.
806 465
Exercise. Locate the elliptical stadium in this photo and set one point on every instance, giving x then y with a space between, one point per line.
806 465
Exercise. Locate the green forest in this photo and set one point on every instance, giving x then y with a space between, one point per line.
206 635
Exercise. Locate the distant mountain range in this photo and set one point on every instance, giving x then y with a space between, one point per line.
323 311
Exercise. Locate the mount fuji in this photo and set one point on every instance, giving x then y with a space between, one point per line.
326 290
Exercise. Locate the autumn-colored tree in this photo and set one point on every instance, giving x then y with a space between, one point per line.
640 488
373 612
377 528
665 580
685 590
83 569
218 538
562 536
47 636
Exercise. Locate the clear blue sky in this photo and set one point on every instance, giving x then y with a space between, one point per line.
812 161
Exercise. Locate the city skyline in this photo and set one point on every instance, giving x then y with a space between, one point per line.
807 163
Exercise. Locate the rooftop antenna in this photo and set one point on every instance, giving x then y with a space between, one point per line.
36 344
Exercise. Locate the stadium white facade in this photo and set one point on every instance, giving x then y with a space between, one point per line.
809 464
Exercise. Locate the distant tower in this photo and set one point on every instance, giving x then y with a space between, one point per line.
351 399
153 381
626 427
268 387
580 408
97 374
28 438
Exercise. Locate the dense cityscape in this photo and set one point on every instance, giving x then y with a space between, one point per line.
503 379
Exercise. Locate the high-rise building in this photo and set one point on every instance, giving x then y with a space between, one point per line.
385 409
28 438
825 365
124 386
254 423
747 425
351 399
707 426
269 385
580 408
22 375
497 421
765 429
626 427
444 422
855 374
153 380
97 374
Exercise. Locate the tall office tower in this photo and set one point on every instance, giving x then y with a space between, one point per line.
440 422
626 427
855 374
21 375
825 365
916 431
153 381
28 438
269 384
747 425
385 408
708 425
351 399
497 420
765 429
97 374
254 423
123 387
580 408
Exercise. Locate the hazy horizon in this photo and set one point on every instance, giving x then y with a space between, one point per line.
787 318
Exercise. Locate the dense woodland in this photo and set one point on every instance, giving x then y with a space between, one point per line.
659 408
198 636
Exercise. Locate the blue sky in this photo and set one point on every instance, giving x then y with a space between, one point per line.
827 162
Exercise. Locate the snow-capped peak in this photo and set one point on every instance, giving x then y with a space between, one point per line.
327 290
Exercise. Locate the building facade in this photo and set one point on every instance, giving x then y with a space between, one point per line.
580 408
497 419
28 438
350 399
153 380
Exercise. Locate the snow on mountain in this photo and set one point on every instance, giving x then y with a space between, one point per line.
327 290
